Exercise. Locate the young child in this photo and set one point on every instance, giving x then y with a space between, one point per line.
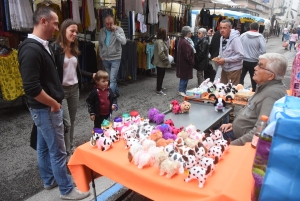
101 100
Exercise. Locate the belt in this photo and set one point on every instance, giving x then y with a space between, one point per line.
70 86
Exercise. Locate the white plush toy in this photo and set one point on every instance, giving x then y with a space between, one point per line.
165 165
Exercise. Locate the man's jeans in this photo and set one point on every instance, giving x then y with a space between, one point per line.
51 151
112 67
183 85
228 135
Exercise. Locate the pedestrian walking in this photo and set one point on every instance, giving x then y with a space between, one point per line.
254 45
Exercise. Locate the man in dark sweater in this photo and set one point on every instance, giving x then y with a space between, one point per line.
45 93
214 52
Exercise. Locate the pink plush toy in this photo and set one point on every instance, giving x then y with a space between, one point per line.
155 116
112 134
104 143
174 106
173 128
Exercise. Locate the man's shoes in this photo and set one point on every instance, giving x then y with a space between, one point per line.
163 88
160 93
51 187
75 194
181 94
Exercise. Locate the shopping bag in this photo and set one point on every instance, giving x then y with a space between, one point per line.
282 178
285 108
285 44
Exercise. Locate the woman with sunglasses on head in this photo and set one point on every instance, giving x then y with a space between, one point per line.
66 52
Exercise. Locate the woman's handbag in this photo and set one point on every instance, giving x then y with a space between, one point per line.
285 44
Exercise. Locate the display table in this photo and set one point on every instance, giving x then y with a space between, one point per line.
232 179
202 115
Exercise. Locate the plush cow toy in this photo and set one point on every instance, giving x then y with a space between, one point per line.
199 173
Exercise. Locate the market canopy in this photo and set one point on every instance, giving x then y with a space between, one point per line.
199 4
234 14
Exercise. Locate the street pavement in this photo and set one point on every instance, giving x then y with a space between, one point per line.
19 175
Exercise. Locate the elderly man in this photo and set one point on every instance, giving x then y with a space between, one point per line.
231 53
268 75
185 59
111 37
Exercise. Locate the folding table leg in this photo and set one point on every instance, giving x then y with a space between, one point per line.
93 185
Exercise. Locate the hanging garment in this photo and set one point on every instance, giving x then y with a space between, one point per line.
143 26
153 10
20 15
10 78
75 11
164 22
91 14
149 52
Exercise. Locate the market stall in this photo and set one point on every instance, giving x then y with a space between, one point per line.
231 181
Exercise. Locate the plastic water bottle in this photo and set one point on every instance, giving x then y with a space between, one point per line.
260 127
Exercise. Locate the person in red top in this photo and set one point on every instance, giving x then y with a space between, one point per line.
101 100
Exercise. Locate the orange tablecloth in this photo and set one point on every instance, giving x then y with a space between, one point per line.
232 179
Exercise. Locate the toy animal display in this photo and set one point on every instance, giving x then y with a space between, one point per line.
219 90
185 107
155 116
190 150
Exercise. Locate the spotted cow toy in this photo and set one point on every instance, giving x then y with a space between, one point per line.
206 162
216 151
199 173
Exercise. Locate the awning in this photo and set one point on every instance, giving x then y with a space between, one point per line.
225 2
199 4
234 14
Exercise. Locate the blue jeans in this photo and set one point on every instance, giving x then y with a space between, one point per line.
112 67
228 135
292 43
183 85
51 150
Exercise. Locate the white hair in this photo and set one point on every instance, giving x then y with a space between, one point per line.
185 30
276 63
203 31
